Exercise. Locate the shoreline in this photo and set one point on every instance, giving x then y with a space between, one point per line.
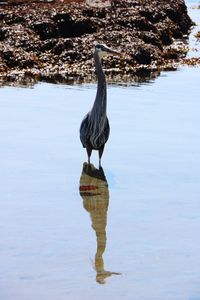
54 41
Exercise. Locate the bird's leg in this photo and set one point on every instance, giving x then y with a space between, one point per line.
89 151
100 155
99 163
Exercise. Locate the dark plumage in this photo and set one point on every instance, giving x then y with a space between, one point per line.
99 135
95 129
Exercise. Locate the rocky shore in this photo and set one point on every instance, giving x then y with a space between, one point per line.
53 40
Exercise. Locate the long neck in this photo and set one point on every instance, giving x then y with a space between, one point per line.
100 103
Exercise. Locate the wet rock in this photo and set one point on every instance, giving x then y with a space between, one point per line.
2 34
48 44
72 28
152 15
173 14
170 54
93 13
13 19
71 55
47 39
2 15
176 32
46 30
17 59
140 23
142 56
198 35
151 38
166 37
62 45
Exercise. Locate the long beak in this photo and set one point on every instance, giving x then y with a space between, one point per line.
113 52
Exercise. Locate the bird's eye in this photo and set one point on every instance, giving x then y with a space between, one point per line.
98 47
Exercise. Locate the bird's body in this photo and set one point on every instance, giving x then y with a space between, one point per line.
95 129
100 133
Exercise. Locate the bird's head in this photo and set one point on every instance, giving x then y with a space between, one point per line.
103 50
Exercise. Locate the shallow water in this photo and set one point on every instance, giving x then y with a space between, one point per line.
56 243
152 165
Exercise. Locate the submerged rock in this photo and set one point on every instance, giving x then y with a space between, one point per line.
56 38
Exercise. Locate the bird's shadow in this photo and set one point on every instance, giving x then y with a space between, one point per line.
95 194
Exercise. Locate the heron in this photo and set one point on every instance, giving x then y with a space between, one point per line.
95 128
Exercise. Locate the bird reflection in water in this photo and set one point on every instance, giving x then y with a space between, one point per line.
95 194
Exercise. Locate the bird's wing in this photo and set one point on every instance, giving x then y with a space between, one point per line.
84 130
102 136
96 140
107 130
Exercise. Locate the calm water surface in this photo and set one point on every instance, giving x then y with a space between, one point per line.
152 165
142 221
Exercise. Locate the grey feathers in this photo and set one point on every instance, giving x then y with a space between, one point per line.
94 134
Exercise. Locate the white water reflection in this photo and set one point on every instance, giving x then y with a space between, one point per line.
95 194
152 164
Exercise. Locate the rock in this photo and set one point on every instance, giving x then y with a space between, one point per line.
142 56
46 30
198 35
2 34
166 37
55 39
152 39
69 28
62 45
